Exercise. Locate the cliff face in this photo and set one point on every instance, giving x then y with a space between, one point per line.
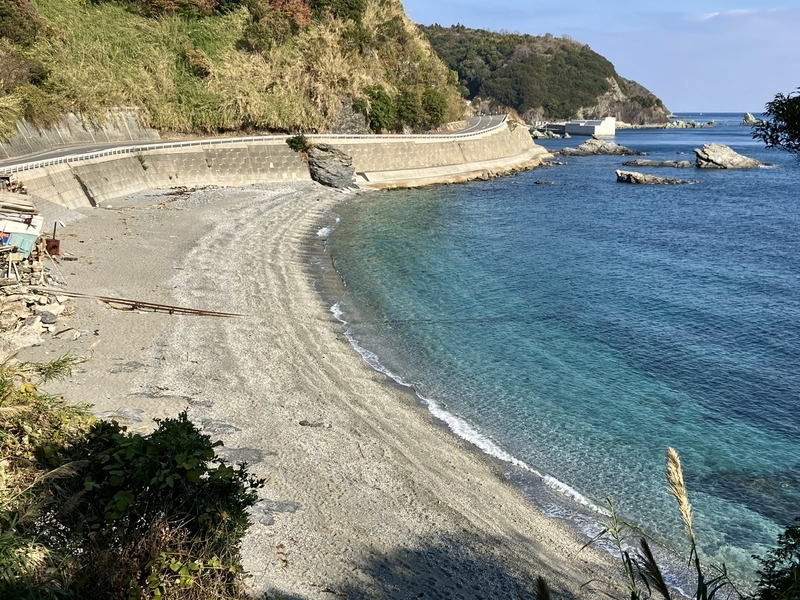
205 66
634 105
541 77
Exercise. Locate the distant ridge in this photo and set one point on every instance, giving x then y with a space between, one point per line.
542 77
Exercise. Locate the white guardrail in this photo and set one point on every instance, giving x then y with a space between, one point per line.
216 141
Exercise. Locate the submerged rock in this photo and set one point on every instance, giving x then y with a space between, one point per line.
645 178
720 156
646 162
330 166
596 146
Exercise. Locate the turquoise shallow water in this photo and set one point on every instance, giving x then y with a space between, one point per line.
578 329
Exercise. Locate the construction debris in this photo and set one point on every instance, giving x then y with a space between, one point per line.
8 184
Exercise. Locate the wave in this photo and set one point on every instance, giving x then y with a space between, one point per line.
463 428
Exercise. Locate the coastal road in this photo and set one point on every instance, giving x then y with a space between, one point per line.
474 125
477 124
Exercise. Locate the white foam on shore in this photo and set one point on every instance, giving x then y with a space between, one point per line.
586 525
462 428
325 232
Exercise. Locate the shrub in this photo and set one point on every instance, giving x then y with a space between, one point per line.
92 511
146 507
19 22
298 11
37 432
779 575
344 9
40 109
382 110
271 30
298 143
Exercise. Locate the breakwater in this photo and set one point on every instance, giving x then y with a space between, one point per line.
380 162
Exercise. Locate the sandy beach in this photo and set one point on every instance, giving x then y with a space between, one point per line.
367 495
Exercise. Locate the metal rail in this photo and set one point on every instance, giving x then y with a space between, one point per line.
138 304
217 141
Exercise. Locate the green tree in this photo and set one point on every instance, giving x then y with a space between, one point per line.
781 128
434 107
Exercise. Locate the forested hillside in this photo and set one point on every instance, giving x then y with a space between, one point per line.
541 76
221 65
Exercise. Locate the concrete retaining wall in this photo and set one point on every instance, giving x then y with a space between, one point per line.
121 125
379 162
58 184
383 164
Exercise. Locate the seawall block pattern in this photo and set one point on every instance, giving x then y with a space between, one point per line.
73 130
384 162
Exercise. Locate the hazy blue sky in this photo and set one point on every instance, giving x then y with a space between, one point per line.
701 55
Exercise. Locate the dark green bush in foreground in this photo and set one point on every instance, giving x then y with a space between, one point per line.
166 504
779 575
92 511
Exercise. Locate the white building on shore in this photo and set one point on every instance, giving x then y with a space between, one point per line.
602 128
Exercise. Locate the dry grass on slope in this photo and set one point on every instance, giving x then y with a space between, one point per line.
190 74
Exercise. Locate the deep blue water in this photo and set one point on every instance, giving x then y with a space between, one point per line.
580 328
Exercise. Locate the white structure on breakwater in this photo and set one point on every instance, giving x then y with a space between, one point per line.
601 128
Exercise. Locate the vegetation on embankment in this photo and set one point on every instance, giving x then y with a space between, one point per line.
541 76
208 66
88 510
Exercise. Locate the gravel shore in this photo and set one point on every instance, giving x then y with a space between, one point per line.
367 495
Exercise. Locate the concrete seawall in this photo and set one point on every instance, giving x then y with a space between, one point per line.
118 125
388 161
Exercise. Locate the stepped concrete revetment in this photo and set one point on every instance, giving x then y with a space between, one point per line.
379 161
118 125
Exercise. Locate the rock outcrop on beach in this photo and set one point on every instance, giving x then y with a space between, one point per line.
647 179
330 166
595 146
646 162
720 156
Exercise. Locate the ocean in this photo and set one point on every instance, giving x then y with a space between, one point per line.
574 328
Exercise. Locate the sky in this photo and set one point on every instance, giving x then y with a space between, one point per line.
700 55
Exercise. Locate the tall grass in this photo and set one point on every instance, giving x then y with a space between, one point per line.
193 74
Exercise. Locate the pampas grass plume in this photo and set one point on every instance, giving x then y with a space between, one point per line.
678 489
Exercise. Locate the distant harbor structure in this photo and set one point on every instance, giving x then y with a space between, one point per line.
600 127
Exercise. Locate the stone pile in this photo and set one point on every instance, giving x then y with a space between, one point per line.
29 311
25 312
